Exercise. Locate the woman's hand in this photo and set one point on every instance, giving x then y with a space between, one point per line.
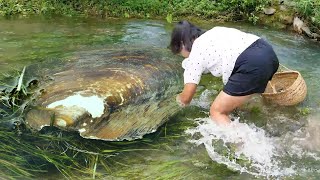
180 103
185 97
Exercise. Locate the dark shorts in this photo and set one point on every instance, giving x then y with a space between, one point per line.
253 69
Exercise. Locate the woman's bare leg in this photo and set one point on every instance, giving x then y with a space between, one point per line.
223 105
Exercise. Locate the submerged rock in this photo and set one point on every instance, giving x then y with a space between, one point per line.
109 94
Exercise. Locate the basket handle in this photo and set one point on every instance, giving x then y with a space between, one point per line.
285 67
273 88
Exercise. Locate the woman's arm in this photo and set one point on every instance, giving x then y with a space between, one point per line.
185 97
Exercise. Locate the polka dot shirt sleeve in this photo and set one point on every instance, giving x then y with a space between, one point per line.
193 66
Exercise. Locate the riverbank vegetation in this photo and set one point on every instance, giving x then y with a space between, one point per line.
309 10
225 10
133 8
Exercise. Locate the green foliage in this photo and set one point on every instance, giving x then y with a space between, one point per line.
253 18
169 18
168 9
135 8
13 95
202 8
309 9
243 8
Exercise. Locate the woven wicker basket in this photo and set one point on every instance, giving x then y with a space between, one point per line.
286 88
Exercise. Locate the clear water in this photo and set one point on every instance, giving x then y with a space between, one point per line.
268 142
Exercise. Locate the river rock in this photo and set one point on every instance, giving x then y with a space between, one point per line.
298 24
306 30
286 19
300 27
283 8
316 36
269 11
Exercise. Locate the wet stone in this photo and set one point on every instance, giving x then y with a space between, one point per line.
269 11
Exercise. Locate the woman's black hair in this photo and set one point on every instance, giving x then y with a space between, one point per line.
184 33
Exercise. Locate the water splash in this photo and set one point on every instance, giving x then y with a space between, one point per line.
245 148
205 99
250 149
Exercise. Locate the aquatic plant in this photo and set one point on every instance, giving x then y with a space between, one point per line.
13 94
304 111
22 153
